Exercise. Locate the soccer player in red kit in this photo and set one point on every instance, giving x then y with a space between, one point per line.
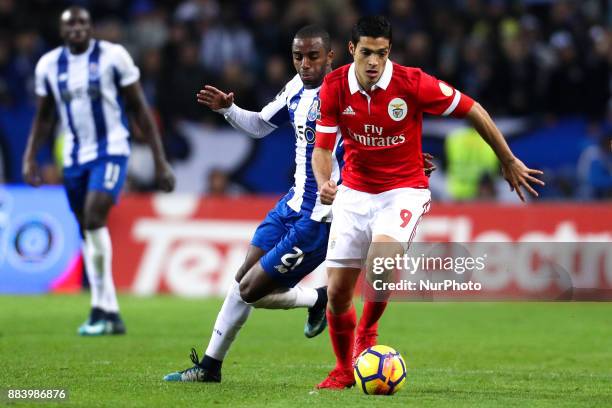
378 106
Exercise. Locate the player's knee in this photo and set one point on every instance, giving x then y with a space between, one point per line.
247 292
241 272
94 220
97 208
339 299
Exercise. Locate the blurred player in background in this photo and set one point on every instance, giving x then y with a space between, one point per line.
80 82
378 105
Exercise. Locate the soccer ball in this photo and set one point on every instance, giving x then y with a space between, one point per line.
380 370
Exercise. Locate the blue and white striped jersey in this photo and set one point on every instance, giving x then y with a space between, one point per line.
300 106
86 90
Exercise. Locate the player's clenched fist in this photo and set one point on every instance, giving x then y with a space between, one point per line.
164 177
428 164
328 192
30 173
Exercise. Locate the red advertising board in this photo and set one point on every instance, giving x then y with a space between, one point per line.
192 246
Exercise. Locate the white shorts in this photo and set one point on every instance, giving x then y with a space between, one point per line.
358 216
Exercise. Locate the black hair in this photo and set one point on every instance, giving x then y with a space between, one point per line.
315 31
371 26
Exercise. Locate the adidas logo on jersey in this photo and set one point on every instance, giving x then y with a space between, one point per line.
348 111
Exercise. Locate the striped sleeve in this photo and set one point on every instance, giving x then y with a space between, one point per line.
327 121
439 98
41 82
276 113
128 72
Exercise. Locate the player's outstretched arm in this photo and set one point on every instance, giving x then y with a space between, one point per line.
214 98
139 112
514 171
322 168
44 120
243 120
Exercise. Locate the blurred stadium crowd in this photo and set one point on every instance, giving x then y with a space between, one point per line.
535 59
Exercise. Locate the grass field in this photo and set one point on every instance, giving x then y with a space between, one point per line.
458 354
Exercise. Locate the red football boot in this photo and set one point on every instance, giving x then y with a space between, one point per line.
338 379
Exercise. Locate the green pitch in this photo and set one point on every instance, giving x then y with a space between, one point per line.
458 354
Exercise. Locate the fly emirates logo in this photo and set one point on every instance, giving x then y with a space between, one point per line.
373 136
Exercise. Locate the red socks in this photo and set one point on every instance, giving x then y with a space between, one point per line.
342 330
372 311
342 334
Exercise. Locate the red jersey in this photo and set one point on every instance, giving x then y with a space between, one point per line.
382 129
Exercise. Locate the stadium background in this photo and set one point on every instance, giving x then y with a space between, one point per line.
542 68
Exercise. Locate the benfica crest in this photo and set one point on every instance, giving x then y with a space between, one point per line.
398 109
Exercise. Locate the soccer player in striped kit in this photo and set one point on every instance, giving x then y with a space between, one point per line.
82 81
292 240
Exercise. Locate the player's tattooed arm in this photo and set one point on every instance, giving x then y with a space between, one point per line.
139 113
322 168
516 173
43 124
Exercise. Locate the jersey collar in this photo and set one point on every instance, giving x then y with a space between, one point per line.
383 81
90 47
